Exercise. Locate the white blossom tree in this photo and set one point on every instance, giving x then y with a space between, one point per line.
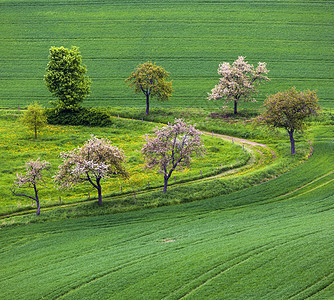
95 160
239 81
31 179
171 148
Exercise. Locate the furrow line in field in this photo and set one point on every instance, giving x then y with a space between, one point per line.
293 194
244 258
94 252
179 78
216 269
323 283
322 289
182 38
174 58
113 270
309 183
173 21
290 195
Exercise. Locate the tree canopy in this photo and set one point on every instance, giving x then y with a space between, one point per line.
66 78
95 160
289 110
34 118
239 82
152 81
171 148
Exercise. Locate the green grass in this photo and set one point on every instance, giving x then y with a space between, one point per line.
17 146
295 38
271 241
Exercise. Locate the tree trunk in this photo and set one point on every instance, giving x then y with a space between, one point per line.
35 125
99 191
292 141
165 184
147 103
38 207
235 107
37 200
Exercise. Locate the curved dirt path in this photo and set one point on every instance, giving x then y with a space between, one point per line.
238 140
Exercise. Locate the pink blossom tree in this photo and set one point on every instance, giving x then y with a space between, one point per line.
31 179
239 81
91 163
171 148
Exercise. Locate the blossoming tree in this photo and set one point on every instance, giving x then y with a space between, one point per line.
239 81
31 179
171 148
95 160
289 110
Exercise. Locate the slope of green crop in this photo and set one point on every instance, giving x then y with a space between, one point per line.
271 241
295 38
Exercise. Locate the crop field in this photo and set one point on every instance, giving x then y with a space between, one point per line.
188 38
271 241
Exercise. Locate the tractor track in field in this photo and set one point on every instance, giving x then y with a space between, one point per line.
323 283
113 270
220 269
249 146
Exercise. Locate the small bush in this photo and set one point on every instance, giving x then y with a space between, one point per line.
83 116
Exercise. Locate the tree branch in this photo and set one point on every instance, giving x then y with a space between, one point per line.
91 182
22 195
146 92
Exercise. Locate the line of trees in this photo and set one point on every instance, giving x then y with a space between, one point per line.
67 80
172 147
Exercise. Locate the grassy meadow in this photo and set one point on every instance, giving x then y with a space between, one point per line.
295 38
18 146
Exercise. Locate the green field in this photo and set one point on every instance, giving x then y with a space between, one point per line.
272 241
189 39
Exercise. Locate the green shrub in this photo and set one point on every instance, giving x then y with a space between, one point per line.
82 116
